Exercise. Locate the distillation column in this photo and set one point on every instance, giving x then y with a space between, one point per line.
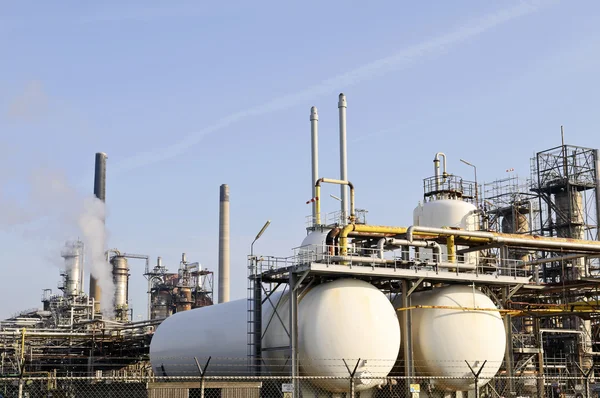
120 271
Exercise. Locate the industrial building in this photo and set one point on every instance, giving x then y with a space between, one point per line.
492 286
71 335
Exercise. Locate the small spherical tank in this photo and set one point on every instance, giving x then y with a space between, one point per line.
447 213
314 245
454 213
443 339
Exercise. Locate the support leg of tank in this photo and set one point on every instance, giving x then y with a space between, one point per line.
406 326
294 330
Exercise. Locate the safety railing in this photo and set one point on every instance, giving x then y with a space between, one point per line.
413 258
337 218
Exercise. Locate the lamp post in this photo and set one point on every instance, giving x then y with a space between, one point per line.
262 231
476 187
257 304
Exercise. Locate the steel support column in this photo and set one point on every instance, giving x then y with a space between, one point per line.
294 331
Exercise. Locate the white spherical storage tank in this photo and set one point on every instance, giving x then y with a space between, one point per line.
452 213
344 319
443 339
313 246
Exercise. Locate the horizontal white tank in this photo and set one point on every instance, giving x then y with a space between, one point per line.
444 338
454 213
345 319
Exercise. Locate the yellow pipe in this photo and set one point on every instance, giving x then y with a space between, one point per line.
448 307
451 248
515 312
22 345
318 197
365 228
459 236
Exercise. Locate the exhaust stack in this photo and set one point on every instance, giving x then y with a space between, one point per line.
100 193
343 157
224 244
314 141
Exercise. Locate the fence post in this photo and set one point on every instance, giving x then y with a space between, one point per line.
352 373
202 374
476 374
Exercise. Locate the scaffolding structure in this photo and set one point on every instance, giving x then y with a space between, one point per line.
168 293
558 199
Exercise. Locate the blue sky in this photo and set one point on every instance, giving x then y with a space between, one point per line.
186 96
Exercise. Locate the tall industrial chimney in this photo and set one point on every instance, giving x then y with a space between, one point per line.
100 193
343 156
314 143
224 244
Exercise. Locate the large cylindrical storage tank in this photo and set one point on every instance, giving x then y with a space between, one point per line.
454 213
345 319
443 339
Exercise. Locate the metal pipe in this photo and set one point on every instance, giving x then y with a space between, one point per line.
100 193
436 168
314 142
560 258
343 237
359 259
403 242
342 105
376 260
224 244
332 181
532 241
451 247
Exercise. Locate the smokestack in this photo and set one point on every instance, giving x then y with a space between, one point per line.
314 141
224 244
100 193
343 156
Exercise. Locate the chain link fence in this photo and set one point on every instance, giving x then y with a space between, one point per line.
255 387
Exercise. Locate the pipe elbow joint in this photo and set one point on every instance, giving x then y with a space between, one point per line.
409 233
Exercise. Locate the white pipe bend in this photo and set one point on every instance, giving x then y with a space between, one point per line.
406 242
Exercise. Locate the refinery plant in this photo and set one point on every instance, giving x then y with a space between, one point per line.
492 290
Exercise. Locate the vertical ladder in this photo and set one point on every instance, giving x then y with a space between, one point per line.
251 336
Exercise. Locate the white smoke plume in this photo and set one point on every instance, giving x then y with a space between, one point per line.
91 223
53 212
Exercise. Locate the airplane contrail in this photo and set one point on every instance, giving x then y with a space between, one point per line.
368 71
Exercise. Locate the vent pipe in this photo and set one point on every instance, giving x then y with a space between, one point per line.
224 244
343 157
100 193
314 141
